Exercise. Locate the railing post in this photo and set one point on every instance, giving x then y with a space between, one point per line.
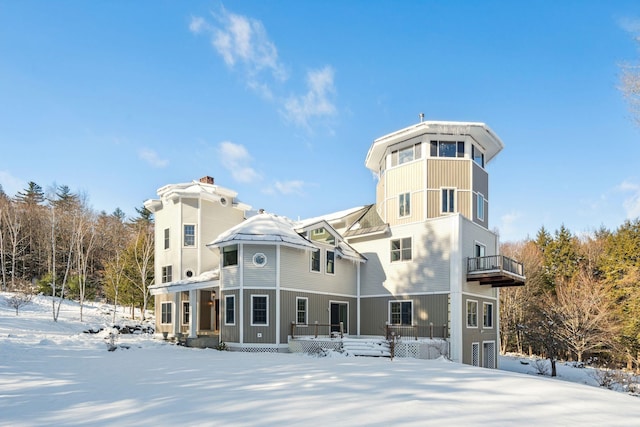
431 330
316 329
415 331
293 325
386 331
341 330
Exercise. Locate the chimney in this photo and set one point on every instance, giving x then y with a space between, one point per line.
207 180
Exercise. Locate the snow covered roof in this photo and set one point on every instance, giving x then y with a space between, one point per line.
264 228
204 280
480 132
200 189
329 217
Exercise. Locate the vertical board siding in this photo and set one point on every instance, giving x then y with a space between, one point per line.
259 276
251 332
318 310
426 309
480 180
407 178
449 173
229 333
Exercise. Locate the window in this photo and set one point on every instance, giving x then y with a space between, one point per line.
478 156
406 154
166 274
301 310
259 259
259 314
330 262
448 200
400 312
480 207
401 249
322 235
189 235
405 204
230 310
472 314
487 315
447 149
229 255
166 238
166 312
185 312
315 260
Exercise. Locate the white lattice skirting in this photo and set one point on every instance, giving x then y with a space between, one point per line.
313 345
421 349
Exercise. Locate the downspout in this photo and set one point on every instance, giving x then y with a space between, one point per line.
358 297
241 291
278 295
455 284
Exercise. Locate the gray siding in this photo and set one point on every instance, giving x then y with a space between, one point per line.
268 332
229 333
480 185
426 309
318 310
478 334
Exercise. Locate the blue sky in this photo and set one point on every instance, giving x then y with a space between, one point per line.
280 101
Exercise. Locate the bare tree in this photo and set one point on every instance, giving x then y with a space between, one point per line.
19 300
140 256
583 309
85 244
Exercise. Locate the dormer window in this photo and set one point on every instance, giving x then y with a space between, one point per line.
322 235
447 149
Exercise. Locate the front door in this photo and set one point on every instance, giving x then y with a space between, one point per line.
339 313
206 307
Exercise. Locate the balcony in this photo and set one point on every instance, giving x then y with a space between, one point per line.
495 270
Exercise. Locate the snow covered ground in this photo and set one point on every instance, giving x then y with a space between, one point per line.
53 374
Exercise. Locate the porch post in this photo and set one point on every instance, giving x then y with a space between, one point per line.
176 313
193 306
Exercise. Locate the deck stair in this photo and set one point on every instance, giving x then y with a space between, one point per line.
366 347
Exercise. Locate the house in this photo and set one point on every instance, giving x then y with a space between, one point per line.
420 261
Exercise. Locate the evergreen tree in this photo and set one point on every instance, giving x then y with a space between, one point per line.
32 195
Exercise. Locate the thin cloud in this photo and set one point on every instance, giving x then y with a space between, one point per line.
508 228
290 187
630 25
316 102
236 159
245 47
10 184
243 43
631 202
152 158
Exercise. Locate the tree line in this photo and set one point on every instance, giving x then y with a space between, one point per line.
54 243
581 299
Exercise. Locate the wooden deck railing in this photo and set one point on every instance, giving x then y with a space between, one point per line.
495 262
415 331
317 329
